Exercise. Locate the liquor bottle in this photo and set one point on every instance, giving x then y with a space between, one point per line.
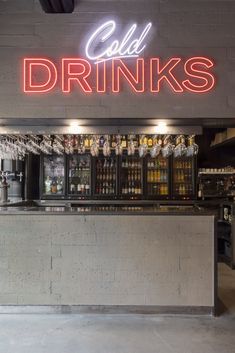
48 185
59 185
111 164
150 142
87 187
82 188
145 140
72 188
113 141
79 189
135 141
200 191
180 189
124 142
158 175
101 141
54 186
132 187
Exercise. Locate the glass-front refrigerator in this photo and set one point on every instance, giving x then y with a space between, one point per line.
53 176
79 176
131 177
158 178
105 177
183 173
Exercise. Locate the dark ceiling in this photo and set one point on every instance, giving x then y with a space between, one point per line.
57 6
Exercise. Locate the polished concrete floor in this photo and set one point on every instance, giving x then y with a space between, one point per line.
124 333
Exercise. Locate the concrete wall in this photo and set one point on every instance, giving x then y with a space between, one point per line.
100 260
185 28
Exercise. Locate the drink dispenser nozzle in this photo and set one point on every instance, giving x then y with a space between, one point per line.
4 187
20 175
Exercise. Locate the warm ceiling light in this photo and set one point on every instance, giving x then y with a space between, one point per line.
75 128
161 128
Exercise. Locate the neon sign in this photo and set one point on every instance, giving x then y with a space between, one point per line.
79 73
126 48
96 74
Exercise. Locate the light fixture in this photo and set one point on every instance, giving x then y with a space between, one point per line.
74 128
161 128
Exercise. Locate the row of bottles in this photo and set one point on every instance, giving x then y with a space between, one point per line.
131 164
81 188
106 170
86 141
132 187
105 188
183 189
158 189
157 163
183 176
157 176
105 176
107 173
79 164
54 185
131 176
185 163
79 175
54 175
106 163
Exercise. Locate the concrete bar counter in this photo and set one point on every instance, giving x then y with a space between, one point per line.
133 260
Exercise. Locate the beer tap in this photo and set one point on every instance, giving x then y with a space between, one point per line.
4 187
4 175
20 175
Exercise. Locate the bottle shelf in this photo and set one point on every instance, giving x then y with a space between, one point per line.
183 182
115 173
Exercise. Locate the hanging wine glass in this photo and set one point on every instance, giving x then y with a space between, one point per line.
143 147
106 147
46 145
95 146
168 147
156 149
57 145
81 148
180 149
68 144
32 145
118 147
131 146
192 149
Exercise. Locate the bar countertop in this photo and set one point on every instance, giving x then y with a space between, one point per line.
106 210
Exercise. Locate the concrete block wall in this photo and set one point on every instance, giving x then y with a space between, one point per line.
183 27
100 260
